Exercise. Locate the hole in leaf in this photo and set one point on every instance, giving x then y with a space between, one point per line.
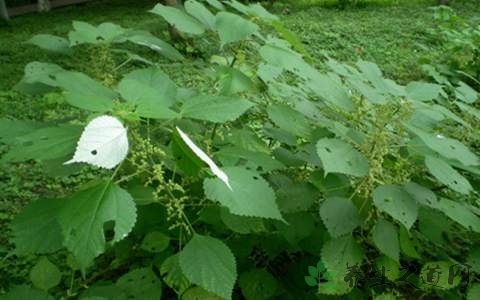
328 150
108 230
94 152
255 177
51 76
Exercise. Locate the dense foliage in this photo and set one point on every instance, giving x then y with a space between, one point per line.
342 165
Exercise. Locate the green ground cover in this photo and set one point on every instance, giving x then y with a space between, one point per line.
397 36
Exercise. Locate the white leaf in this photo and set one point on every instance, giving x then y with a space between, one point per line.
103 143
204 157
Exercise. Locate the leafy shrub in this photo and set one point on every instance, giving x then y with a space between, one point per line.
344 165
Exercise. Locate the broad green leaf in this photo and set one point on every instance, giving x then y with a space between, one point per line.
232 81
423 195
184 157
155 241
25 292
430 273
339 215
233 28
146 39
296 197
331 91
83 216
258 284
151 91
465 93
44 144
197 293
85 33
397 202
172 274
51 43
257 10
250 195
281 57
392 271
407 243
369 92
242 224
141 284
218 109
338 253
35 229
385 238
289 120
38 78
201 13
45 275
179 19
447 175
297 227
11 129
262 162
474 259
460 213
338 156
209 263
474 292
216 4
84 92
422 91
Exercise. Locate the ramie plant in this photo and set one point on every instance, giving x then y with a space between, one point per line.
344 165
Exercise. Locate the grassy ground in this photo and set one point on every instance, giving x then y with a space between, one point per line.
396 36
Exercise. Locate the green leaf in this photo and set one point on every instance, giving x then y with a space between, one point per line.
35 229
51 43
155 241
44 144
209 263
474 259
201 13
144 38
233 28
242 224
232 81
84 92
262 162
216 4
311 281
289 120
460 213
172 274
474 292
395 201
250 195
296 197
337 253
11 129
179 19
197 293
329 274
321 265
45 275
392 271
338 156
313 271
447 147
83 217
339 215
218 109
447 175
421 194
331 91
258 284
85 33
422 91
141 284
465 93
151 91
407 244
25 292
385 238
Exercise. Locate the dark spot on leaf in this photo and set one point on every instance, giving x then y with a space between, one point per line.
255 177
328 150
94 152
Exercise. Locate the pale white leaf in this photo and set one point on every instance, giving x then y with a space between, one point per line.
205 158
103 143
